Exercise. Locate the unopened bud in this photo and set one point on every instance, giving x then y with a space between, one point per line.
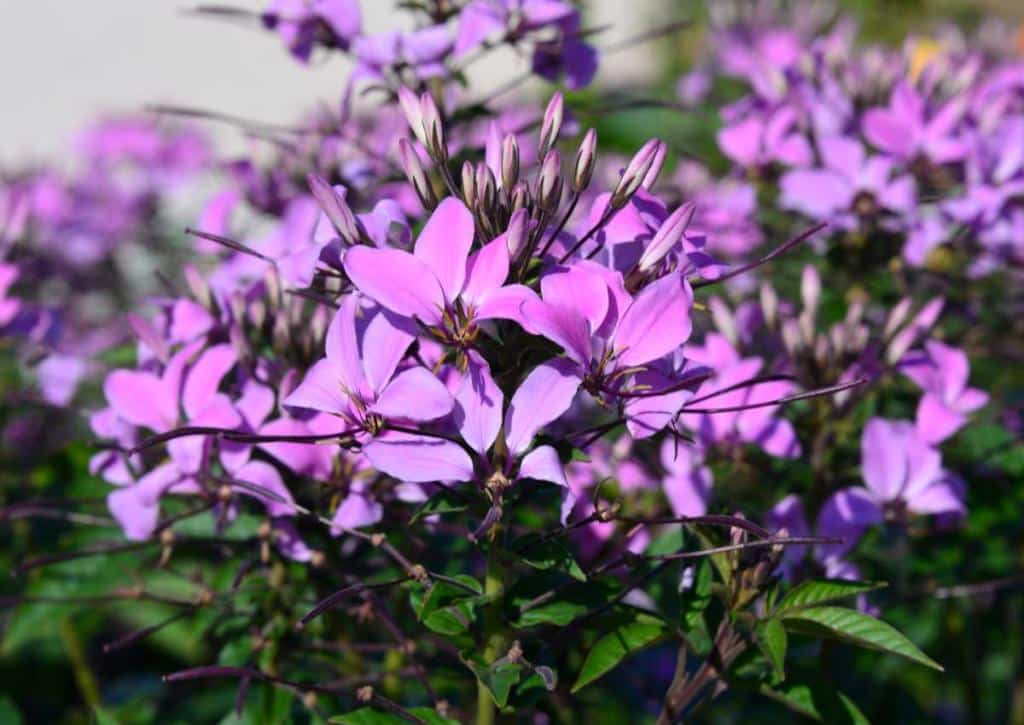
791 336
433 129
486 189
810 287
634 175
415 174
509 162
549 183
516 234
410 104
769 304
586 159
667 237
469 194
724 320
281 335
198 287
897 316
332 202
551 125
273 286
651 177
520 197
364 693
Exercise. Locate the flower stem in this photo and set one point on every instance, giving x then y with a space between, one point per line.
494 587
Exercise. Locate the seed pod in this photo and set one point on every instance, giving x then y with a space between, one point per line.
551 125
586 159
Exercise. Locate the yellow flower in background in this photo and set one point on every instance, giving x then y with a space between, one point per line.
922 52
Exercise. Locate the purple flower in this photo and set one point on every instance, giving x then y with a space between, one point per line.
849 185
440 283
687 483
515 20
358 382
941 372
423 52
610 338
763 138
304 23
907 128
757 425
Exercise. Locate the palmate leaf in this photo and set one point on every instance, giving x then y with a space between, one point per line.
618 644
820 591
851 626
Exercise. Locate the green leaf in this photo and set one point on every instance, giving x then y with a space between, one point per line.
443 502
448 609
771 638
818 702
615 646
819 591
547 554
370 716
499 678
9 714
103 716
862 630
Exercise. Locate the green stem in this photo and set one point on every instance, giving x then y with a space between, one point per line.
494 587
83 674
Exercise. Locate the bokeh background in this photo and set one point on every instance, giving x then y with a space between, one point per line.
63 63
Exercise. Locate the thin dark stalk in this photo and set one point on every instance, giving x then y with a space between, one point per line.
780 250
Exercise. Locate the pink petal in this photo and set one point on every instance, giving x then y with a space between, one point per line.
937 421
384 346
561 325
398 281
418 459
444 245
356 511
414 394
321 390
655 324
342 346
205 377
141 399
545 394
478 407
883 458
486 271
577 289
259 477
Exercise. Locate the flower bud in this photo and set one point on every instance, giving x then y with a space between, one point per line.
634 174
333 204
486 189
413 113
724 320
520 197
433 129
651 177
551 125
791 339
897 316
769 304
257 314
416 175
516 234
469 194
586 158
667 237
549 183
810 288
509 162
